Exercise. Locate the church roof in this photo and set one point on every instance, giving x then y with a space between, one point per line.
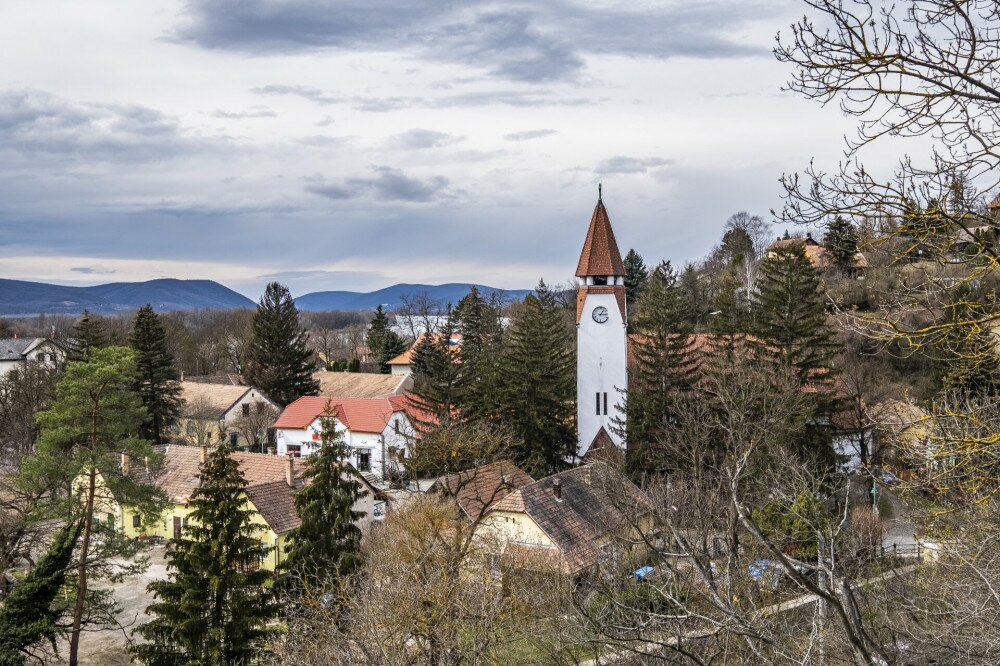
600 254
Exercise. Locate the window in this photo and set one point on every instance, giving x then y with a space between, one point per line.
234 438
246 409
364 460
605 404
259 406
598 394
190 428
294 450
136 521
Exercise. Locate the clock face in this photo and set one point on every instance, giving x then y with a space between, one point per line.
600 314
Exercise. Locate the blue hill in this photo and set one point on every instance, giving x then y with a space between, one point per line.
18 297
392 297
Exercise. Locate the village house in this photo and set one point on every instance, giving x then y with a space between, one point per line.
361 384
577 520
378 431
403 364
18 352
818 256
214 412
271 486
475 490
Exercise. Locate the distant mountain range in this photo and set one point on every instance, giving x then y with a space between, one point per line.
392 297
18 297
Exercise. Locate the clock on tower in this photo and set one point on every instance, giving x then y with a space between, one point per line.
601 337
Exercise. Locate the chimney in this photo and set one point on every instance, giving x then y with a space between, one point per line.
290 471
557 489
125 464
145 462
203 454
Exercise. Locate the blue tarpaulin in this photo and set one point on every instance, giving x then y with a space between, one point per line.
643 572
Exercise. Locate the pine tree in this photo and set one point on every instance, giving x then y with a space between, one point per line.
663 368
539 384
841 241
324 549
216 605
790 315
478 321
88 335
30 612
279 362
155 374
636 275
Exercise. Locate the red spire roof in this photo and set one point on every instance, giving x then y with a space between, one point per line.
600 254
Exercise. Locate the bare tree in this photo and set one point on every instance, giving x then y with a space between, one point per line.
254 425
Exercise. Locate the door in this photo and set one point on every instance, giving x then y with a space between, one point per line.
177 527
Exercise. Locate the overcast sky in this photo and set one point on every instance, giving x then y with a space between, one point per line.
352 144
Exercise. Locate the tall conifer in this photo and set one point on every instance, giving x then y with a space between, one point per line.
841 241
478 321
438 379
385 344
88 335
156 378
539 383
323 550
636 275
279 362
216 606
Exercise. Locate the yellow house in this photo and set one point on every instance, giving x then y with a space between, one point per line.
575 520
271 486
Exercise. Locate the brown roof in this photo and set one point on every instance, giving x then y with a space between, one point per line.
478 488
275 502
230 378
600 255
596 501
360 384
817 255
406 358
216 398
603 449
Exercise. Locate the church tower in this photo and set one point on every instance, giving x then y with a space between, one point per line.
601 337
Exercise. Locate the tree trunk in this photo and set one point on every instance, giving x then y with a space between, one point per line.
81 585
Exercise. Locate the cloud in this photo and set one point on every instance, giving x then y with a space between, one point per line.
533 43
388 184
516 98
314 95
252 112
529 134
87 270
417 139
625 165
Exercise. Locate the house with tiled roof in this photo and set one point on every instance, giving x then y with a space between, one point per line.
403 364
575 520
361 384
18 352
272 483
378 431
816 253
477 489
210 411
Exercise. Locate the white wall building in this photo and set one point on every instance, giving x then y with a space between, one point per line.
601 337
17 352
378 431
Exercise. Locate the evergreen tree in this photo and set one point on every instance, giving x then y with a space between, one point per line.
279 362
385 344
88 335
438 379
841 241
663 368
478 321
730 315
694 307
155 374
377 329
538 371
323 550
29 614
969 367
216 606
636 275
790 315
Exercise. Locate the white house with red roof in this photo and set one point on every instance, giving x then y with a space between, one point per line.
378 431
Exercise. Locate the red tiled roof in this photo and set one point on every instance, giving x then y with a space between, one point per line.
600 255
357 414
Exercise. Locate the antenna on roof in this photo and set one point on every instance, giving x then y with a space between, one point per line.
598 193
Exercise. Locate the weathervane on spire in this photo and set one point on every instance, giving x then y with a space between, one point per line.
599 192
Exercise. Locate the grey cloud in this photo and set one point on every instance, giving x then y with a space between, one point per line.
310 93
387 184
529 134
38 126
538 42
626 165
516 98
416 139
88 270
252 112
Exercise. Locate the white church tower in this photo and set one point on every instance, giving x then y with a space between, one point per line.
601 337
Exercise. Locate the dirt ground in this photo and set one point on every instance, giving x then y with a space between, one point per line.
108 647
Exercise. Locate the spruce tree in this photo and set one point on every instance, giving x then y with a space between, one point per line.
663 368
636 275
385 344
324 549
538 371
841 241
279 362
88 335
478 321
438 378
729 316
216 606
30 613
969 367
790 315
156 378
